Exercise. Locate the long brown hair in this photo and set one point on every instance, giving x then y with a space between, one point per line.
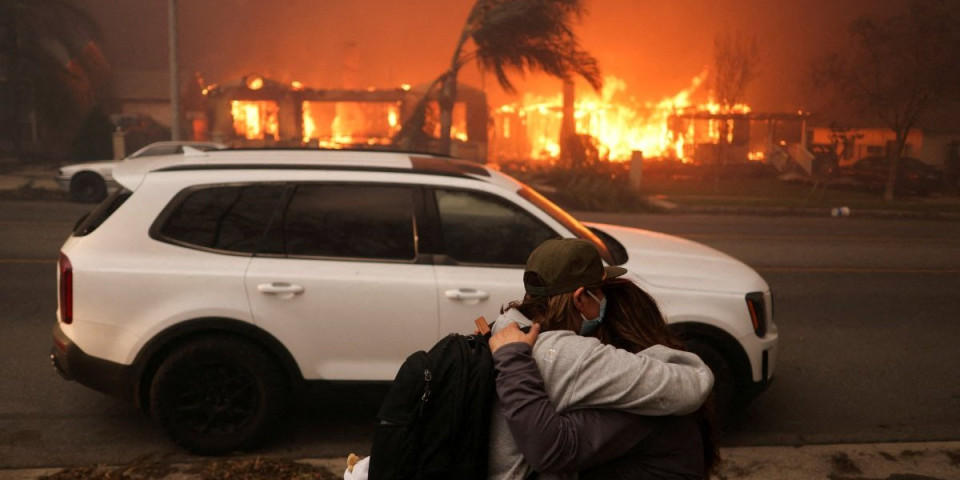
633 322
556 312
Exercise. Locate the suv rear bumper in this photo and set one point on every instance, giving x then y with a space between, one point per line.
99 374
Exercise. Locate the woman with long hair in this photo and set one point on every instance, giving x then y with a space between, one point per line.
607 362
567 368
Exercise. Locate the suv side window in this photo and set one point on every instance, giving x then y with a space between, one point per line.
352 221
231 218
481 228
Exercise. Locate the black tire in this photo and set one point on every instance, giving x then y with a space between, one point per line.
88 187
217 395
724 380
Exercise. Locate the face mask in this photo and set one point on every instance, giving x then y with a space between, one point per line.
590 325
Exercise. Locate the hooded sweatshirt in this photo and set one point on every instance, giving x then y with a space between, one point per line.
580 372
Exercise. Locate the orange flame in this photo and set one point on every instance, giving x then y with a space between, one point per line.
620 126
342 124
255 120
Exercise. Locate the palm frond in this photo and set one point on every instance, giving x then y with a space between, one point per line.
52 49
532 35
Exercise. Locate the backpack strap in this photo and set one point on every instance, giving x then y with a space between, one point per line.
482 326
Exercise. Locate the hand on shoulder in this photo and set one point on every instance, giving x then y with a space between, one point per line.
512 334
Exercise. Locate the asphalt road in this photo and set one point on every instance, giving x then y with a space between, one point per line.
867 311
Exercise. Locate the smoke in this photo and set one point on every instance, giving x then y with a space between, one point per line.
655 47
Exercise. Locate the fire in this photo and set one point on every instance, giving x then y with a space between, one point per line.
255 82
255 120
342 124
309 125
619 125
616 124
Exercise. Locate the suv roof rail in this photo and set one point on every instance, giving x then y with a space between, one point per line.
131 174
418 164
371 149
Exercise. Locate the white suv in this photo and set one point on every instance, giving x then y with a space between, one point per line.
214 285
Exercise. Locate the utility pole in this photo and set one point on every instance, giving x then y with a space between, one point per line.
174 71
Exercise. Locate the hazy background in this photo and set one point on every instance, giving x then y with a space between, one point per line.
656 47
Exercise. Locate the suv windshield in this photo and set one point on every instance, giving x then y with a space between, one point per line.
567 221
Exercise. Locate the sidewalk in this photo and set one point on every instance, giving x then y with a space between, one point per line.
902 461
14 176
885 461
30 183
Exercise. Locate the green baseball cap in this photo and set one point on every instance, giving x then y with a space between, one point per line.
562 265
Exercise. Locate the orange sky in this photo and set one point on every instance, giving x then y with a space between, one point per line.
656 47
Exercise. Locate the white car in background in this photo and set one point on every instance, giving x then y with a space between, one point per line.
214 284
91 182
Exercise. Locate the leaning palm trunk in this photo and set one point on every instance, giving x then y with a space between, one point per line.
448 88
448 97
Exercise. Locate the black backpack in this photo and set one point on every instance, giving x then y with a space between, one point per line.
435 420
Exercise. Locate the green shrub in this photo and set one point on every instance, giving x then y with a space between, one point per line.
603 188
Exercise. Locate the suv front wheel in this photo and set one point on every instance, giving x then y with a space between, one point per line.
724 380
217 395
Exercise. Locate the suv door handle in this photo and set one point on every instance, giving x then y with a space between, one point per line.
280 288
466 294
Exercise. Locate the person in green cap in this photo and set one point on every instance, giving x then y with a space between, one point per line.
567 289
607 397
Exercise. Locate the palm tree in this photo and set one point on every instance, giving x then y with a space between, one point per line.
516 35
49 62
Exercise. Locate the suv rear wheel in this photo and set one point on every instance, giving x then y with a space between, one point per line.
217 395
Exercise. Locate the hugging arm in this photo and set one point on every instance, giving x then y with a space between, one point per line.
553 442
657 381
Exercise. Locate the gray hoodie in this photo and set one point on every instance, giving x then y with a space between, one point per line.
581 372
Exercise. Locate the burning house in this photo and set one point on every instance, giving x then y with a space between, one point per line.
256 112
676 128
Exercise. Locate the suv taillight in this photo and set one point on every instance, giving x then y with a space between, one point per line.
66 289
758 312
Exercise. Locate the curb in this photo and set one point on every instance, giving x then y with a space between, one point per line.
878 461
916 461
